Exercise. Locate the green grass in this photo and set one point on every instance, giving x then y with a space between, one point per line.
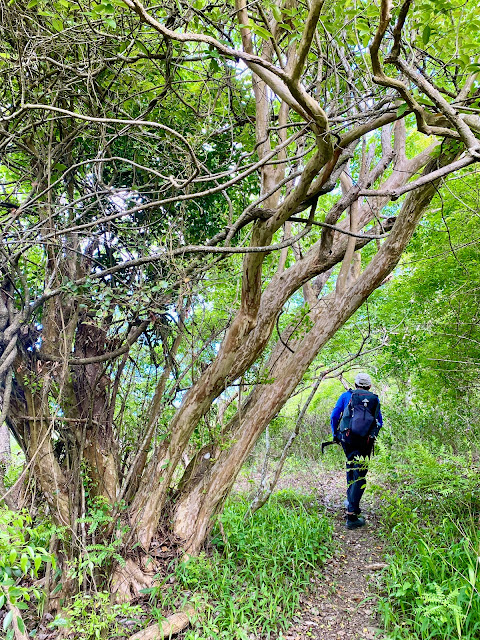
430 519
251 581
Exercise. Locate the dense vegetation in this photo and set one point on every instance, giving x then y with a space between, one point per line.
212 214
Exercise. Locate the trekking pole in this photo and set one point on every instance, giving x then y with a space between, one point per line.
327 444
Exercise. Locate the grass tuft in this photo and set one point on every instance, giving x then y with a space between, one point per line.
251 581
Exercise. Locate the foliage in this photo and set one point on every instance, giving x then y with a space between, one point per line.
430 504
93 616
141 146
248 584
21 561
98 557
430 310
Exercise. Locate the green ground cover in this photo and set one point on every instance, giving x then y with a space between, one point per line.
430 508
252 579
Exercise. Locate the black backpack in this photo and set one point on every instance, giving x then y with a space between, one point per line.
360 415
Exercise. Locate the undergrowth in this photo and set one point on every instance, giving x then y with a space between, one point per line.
431 508
251 580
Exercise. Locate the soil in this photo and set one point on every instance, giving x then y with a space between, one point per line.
341 604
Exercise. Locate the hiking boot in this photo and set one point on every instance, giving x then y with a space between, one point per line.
354 522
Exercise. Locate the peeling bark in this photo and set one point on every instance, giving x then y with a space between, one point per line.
193 518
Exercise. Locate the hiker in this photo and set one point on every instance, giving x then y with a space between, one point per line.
356 421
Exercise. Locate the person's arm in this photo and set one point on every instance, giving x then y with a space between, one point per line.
337 413
379 423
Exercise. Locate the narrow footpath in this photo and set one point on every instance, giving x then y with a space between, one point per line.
342 602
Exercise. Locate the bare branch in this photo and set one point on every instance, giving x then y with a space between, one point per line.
394 194
131 339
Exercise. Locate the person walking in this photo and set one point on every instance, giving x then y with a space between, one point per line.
355 421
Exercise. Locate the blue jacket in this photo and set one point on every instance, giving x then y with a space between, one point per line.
340 407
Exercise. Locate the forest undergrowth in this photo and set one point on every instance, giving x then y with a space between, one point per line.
429 501
249 581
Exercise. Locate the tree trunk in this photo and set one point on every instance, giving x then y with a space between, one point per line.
194 512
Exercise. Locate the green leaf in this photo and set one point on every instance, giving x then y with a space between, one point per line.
2 601
401 109
104 8
57 24
12 556
32 3
426 34
58 622
425 102
260 31
24 563
214 66
7 620
472 576
142 47
363 26
21 624
277 13
30 551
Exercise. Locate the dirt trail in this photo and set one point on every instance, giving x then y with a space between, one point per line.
342 603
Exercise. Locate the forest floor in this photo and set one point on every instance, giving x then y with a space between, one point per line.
341 604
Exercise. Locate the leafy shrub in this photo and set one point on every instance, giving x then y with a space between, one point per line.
430 522
95 563
252 580
441 423
21 560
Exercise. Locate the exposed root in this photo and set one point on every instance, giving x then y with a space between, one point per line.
173 624
129 580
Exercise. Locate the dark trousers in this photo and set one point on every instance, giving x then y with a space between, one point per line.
358 452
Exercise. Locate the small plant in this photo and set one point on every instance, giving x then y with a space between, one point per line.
430 523
20 559
97 556
93 616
